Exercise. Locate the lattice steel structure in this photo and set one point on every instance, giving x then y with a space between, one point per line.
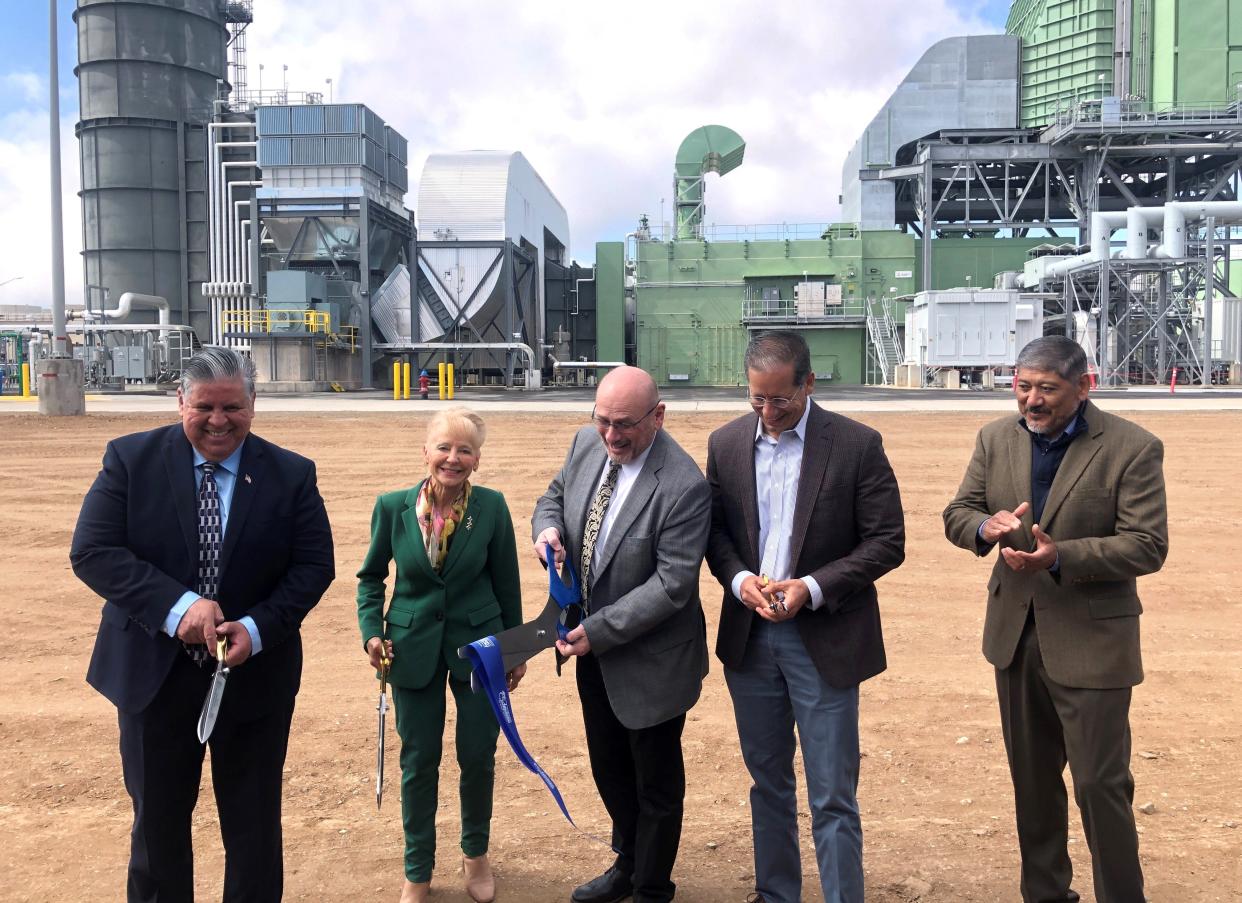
1093 157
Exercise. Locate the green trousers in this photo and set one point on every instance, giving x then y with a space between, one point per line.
420 723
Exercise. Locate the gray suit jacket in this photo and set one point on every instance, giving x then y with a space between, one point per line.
1105 512
646 624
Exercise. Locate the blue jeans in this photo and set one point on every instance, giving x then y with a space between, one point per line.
776 688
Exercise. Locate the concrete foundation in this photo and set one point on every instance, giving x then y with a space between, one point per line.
60 389
907 376
302 364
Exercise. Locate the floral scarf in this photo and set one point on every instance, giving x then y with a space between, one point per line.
437 530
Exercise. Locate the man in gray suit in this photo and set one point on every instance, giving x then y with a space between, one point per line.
806 516
1075 499
630 511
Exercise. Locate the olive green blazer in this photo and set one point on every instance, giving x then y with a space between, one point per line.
1105 511
477 593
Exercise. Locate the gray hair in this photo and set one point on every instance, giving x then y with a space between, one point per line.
1054 354
215 363
769 350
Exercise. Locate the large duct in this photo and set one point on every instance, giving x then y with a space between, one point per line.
709 148
148 73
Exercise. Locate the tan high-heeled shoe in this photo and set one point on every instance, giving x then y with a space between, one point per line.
416 892
480 882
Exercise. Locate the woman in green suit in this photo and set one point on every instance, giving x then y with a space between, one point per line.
456 581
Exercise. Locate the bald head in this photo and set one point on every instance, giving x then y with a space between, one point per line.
628 412
628 384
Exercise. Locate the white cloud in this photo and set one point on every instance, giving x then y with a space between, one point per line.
25 226
26 87
597 96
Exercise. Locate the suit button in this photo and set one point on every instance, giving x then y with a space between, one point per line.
439 616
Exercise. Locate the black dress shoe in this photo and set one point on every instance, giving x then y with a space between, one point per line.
611 887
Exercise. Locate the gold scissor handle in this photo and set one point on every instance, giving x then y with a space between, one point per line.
222 645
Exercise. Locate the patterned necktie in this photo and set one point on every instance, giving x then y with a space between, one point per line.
595 519
209 539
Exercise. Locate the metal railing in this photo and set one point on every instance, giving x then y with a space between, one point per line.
801 312
1142 113
316 323
753 232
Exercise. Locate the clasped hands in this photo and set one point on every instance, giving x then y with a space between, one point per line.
1003 523
203 622
375 644
774 600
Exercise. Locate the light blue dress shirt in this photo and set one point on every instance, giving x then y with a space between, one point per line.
226 480
778 469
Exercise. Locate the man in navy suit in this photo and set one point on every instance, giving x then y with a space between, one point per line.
172 586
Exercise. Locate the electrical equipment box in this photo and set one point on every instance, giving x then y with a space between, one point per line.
967 327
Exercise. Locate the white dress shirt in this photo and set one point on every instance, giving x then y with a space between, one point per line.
778 469
625 482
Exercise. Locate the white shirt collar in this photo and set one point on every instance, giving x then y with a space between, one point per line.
800 429
635 465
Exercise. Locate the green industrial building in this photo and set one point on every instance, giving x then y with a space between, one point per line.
1161 52
696 302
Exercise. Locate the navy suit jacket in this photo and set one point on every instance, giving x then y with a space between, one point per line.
136 545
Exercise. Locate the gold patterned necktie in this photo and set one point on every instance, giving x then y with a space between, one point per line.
595 519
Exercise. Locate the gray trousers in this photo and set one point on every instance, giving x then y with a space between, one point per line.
775 690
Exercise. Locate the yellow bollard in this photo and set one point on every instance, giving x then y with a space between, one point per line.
450 381
440 381
405 380
26 380
396 380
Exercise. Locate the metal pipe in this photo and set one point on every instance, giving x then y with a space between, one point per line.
1209 292
1138 221
1176 215
585 365
577 288
59 338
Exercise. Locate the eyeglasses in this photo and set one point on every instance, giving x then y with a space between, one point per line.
773 401
621 426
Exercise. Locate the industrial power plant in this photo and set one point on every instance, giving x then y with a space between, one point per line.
1076 175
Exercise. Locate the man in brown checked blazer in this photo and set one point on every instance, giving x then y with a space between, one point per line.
806 516
1075 499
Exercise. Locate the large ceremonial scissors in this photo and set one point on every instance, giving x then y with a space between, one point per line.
561 615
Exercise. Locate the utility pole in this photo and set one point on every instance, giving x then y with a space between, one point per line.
60 377
60 339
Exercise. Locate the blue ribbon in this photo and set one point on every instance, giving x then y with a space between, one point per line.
489 672
484 656
566 595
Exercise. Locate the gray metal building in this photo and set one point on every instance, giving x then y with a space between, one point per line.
148 73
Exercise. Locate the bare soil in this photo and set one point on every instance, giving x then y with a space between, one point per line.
935 793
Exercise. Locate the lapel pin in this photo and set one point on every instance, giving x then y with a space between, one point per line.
469 522
248 480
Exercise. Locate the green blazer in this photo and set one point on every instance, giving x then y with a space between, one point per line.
477 593
1105 511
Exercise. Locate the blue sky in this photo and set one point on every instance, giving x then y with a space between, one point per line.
599 115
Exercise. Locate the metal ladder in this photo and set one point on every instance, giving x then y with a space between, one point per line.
882 331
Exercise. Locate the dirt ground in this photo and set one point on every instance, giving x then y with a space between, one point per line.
935 795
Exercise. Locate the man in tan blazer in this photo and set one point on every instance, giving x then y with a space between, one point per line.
1075 499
